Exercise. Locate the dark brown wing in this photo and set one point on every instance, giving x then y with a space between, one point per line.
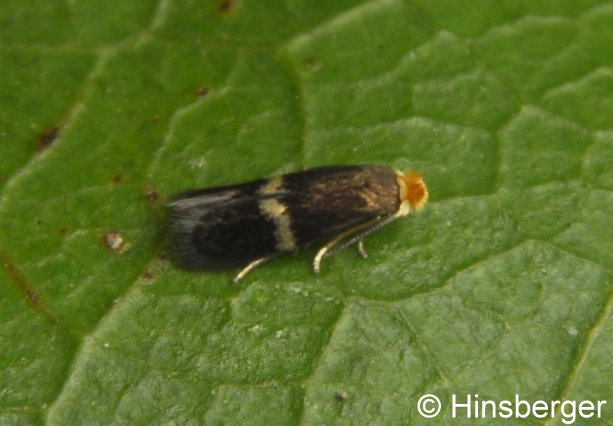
327 201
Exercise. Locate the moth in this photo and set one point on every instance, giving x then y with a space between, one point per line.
247 224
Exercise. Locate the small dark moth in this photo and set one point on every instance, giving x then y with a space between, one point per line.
249 223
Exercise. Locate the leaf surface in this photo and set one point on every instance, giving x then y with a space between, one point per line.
501 286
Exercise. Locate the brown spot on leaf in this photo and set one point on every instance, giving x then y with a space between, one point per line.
47 138
162 255
152 195
202 91
148 274
225 6
32 296
19 280
342 395
113 241
118 178
62 232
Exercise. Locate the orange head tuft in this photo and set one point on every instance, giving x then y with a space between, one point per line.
416 191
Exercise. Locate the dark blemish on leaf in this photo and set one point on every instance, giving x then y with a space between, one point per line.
18 279
32 296
162 255
152 195
202 91
62 232
155 120
226 5
47 138
113 241
342 395
148 274
117 178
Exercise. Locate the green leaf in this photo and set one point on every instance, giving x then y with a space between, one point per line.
502 285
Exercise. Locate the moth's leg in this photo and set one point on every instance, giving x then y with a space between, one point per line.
359 238
249 267
371 227
322 251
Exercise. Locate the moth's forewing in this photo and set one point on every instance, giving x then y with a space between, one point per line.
234 225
